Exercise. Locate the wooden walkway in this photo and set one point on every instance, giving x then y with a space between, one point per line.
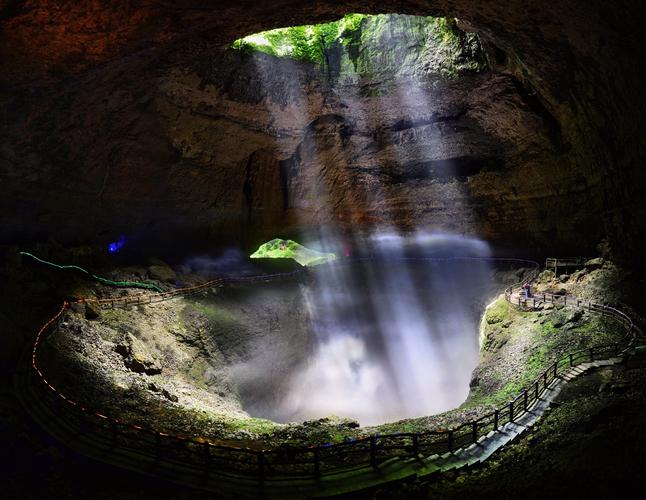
198 464
106 450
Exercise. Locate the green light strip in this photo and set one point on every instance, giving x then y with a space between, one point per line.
132 284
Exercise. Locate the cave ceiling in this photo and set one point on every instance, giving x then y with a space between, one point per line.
114 117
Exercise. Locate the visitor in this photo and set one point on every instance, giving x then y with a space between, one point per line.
527 290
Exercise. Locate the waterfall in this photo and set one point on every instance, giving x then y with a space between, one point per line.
395 335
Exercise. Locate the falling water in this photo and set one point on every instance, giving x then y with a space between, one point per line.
395 334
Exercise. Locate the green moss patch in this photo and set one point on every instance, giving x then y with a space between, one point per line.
519 345
374 46
213 312
305 43
499 311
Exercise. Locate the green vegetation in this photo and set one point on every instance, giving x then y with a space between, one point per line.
497 312
548 328
212 312
251 425
374 46
304 43
289 249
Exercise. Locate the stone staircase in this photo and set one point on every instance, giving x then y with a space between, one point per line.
103 449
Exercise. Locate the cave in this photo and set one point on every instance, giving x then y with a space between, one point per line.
314 249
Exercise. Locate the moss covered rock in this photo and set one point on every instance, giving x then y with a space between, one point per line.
137 357
375 46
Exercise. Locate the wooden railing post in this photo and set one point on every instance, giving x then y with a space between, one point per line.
82 422
317 462
261 466
207 457
373 451
87 423
113 429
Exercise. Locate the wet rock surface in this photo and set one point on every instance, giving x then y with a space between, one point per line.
519 464
192 353
589 441
184 144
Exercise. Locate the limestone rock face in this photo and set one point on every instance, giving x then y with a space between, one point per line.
137 357
162 273
150 126
92 309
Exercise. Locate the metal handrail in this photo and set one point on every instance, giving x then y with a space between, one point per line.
314 460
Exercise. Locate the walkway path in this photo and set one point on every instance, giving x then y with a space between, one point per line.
311 471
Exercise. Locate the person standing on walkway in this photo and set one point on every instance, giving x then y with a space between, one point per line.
527 290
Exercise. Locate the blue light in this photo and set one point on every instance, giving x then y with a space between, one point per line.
116 246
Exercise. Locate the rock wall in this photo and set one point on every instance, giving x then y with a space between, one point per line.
151 127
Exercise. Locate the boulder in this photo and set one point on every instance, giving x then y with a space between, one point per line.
78 307
333 420
574 315
594 263
162 273
92 309
137 357
546 276
154 261
169 396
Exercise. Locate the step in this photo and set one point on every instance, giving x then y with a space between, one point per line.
102 449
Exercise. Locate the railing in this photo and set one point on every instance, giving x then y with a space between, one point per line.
536 267
536 299
150 298
555 262
316 460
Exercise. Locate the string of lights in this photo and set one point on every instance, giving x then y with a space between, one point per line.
449 437
101 279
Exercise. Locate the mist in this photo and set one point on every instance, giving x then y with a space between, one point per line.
393 333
